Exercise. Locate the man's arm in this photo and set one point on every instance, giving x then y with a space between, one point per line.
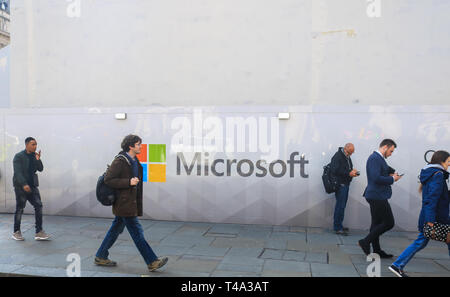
374 169
113 179
18 170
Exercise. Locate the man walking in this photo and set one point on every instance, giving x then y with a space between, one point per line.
380 178
125 175
342 168
25 181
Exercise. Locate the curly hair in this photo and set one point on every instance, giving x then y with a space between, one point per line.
129 140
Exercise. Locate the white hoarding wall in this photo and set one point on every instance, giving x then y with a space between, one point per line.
250 52
226 164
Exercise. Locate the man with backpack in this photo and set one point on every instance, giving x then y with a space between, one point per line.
341 168
125 176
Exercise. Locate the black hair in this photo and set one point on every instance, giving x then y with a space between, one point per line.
388 142
28 139
129 140
439 157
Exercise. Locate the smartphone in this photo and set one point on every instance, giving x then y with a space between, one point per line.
358 173
401 174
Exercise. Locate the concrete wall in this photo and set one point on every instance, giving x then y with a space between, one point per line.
5 77
249 52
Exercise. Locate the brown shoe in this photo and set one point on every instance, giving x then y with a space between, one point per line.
41 236
104 262
157 264
18 236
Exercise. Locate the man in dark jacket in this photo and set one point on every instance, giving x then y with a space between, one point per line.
125 175
380 177
26 183
342 168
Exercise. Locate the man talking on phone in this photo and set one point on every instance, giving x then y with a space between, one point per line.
380 177
26 183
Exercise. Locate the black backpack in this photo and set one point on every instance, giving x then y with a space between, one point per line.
329 181
105 194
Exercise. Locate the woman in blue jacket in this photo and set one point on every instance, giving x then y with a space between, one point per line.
435 206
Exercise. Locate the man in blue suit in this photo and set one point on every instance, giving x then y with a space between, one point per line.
380 178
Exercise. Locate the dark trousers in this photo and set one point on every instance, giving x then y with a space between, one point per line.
382 221
339 209
137 234
21 199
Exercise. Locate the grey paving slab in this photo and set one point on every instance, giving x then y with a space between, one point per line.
168 250
294 256
8 268
238 242
297 229
226 228
332 270
240 267
339 258
18 258
207 251
225 273
272 254
316 257
444 263
187 241
256 234
424 266
196 265
245 252
281 228
191 231
297 245
277 244
242 260
112 274
323 238
276 273
288 236
42 271
282 265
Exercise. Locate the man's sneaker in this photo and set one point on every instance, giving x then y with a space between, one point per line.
157 264
41 236
364 246
104 262
18 236
397 271
341 232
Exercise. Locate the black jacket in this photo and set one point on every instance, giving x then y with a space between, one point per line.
21 163
341 167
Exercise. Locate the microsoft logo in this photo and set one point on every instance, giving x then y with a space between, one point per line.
153 160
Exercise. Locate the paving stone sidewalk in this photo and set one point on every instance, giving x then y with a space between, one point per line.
206 250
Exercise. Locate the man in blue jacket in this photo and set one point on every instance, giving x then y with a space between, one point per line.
380 177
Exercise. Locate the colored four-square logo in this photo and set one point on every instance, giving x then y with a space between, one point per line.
153 160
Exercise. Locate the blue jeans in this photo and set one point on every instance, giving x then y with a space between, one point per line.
341 202
411 250
136 232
